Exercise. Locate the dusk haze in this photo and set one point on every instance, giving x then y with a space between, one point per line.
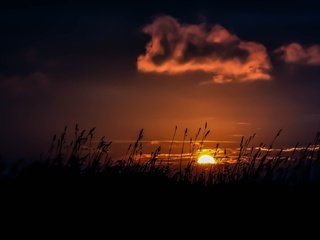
160 98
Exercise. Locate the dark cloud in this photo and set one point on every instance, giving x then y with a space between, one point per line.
20 85
295 53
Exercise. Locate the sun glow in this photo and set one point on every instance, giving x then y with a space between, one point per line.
206 159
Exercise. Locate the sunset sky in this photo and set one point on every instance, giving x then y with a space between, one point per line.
241 66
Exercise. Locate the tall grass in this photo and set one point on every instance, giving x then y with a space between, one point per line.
253 165
171 144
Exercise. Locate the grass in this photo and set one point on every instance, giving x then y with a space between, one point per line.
81 165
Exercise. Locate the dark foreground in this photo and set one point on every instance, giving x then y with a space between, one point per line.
84 188
152 190
145 204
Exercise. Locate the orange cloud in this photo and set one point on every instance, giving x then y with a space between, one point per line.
296 53
177 48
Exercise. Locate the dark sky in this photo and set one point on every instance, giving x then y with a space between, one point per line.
76 62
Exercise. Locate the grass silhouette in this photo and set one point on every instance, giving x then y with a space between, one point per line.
254 165
80 175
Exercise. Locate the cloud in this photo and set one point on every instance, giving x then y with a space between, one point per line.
243 123
17 84
155 142
298 54
177 48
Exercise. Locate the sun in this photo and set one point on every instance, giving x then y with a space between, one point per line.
206 159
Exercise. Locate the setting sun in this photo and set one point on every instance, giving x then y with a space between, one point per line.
206 159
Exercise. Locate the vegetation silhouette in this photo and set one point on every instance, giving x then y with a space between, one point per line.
84 168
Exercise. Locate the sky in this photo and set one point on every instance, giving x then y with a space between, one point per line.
243 67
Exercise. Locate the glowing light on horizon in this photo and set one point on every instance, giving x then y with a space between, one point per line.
206 159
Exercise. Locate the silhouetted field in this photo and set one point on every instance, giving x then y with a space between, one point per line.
80 170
